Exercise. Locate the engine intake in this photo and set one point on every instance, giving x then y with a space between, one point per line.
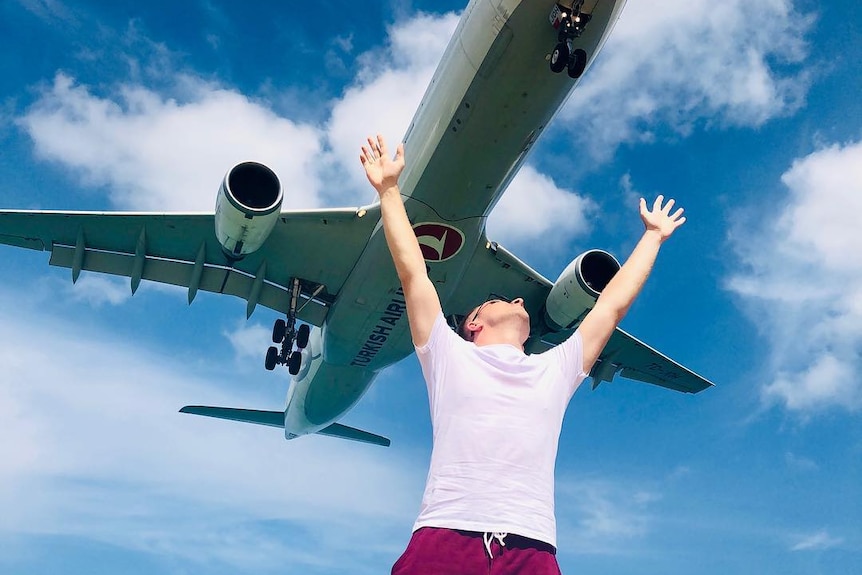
578 287
247 208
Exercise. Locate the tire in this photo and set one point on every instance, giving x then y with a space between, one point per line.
294 362
271 358
302 336
577 63
278 331
559 57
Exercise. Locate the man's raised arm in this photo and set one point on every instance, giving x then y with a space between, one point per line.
423 303
621 291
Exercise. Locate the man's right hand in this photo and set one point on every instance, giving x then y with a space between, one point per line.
381 170
423 304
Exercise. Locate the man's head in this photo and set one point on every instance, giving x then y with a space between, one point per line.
497 320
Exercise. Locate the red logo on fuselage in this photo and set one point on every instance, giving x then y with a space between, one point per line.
438 242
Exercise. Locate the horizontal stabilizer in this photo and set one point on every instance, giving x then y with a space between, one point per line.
276 419
345 432
271 418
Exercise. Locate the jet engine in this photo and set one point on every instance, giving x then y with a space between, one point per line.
247 208
578 287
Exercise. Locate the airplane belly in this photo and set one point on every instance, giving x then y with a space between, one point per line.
325 397
367 326
489 102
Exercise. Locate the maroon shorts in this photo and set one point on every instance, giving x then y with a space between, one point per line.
434 551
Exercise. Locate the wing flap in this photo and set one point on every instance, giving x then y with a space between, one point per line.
215 279
19 242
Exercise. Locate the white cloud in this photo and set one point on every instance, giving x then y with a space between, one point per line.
827 381
819 541
155 153
802 281
52 11
94 448
677 63
97 290
249 340
631 196
826 189
534 206
800 463
609 515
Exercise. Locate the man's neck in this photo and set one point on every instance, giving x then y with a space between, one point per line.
499 337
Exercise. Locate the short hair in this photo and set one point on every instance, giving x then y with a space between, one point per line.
458 323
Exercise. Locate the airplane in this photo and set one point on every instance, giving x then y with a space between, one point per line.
329 271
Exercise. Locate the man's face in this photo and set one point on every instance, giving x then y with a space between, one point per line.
498 310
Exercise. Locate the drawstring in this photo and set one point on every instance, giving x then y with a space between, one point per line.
488 537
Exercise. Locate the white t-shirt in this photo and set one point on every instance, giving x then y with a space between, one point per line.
496 415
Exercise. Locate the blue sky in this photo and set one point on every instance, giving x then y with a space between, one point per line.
747 112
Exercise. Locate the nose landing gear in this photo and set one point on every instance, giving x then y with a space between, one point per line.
570 23
287 336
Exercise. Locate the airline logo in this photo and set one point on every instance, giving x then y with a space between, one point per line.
438 242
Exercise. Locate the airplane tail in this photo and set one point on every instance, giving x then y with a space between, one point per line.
276 419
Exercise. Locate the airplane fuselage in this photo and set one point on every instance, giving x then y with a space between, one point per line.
490 99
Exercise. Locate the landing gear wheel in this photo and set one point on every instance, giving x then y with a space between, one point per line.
294 362
278 331
288 336
577 63
271 358
302 336
559 57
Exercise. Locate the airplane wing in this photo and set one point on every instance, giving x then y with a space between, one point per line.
496 271
632 358
318 247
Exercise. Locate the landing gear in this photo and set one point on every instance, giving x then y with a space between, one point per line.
279 330
294 362
286 334
570 23
577 63
559 57
271 358
302 336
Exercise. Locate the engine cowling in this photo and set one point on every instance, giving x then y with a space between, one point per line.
247 208
578 287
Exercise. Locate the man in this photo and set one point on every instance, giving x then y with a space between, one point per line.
496 412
